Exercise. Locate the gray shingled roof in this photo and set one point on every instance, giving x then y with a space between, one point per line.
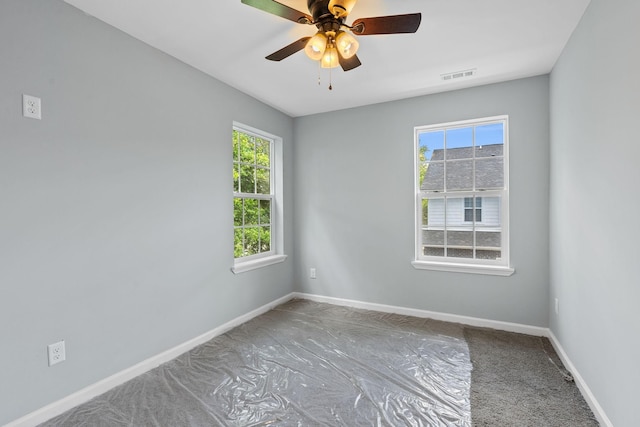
489 169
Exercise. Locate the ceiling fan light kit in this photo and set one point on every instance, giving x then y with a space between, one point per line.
331 45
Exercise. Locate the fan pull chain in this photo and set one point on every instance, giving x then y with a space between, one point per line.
330 86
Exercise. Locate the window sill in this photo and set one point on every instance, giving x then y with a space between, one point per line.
242 266
464 268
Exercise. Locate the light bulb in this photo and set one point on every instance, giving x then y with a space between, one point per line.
316 46
347 45
330 58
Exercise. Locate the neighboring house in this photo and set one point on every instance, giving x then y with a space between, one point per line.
456 222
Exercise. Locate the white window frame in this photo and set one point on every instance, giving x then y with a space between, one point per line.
500 267
276 254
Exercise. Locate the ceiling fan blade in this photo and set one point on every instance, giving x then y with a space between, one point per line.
393 24
289 50
350 63
280 10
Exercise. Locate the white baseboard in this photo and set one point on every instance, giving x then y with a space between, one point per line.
56 408
580 382
465 320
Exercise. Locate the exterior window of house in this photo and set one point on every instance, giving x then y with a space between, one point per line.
256 199
469 209
462 196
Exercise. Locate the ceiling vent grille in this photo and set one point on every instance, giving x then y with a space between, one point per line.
459 74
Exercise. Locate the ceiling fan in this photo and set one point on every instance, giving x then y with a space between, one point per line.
332 45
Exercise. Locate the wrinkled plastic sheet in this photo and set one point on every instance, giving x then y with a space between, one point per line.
302 364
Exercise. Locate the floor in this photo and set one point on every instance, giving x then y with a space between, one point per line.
312 364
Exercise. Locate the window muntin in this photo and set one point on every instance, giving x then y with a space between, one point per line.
253 196
462 192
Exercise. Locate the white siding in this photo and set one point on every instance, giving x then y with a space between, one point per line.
490 211
436 213
455 213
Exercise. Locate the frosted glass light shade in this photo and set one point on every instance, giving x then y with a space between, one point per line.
316 46
341 8
347 45
330 58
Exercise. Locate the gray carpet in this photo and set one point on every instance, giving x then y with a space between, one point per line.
518 380
312 364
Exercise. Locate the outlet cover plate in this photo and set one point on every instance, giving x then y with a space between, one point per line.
31 107
56 353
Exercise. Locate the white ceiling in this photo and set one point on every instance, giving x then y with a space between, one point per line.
502 39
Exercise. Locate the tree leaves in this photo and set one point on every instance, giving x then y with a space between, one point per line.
251 177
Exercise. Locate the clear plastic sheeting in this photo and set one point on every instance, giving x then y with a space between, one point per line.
302 364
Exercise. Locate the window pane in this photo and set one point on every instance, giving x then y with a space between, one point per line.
250 211
487 136
251 241
236 177
263 181
433 177
425 212
459 175
265 211
459 253
236 146
483 151
459 234
434 212
237 211
431 146
462 239
458 138
427 251
247 149
490 173
433 238
491 240
265 239
238 247
433 227
483 254
263 148
468 215
247 179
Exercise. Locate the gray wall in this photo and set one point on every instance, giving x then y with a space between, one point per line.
116 218
595 103
354 204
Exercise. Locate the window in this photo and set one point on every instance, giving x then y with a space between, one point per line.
462 208
257 211
469 209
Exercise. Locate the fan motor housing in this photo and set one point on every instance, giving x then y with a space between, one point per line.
319 9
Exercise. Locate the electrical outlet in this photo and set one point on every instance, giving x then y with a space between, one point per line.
31 107
56 353
557 306
312 273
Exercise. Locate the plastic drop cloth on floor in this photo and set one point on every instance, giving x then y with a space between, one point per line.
302 364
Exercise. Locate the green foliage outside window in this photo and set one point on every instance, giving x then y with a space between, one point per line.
252 194
422 153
